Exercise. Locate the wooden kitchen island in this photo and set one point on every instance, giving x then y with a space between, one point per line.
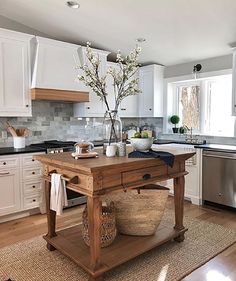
95 177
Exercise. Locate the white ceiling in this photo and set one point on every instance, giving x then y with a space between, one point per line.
177 31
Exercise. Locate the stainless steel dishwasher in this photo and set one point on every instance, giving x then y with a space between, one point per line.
219 177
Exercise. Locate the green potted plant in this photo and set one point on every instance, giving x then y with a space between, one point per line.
174 119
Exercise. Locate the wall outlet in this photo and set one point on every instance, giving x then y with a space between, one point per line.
4 134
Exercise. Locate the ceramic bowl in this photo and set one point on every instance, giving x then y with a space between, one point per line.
141 144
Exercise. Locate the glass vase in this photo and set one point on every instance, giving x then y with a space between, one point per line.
112 129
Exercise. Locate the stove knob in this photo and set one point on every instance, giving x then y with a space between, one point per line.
56 151
52 151
61 150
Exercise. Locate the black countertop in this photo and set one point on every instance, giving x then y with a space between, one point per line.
217 147
162 141
27 149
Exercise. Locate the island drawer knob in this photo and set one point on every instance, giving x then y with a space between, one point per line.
146 176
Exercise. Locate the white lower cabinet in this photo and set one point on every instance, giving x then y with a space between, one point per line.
20 183
192 179
10 190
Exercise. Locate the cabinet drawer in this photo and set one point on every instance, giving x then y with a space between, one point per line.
32 173
33 187
28 160
142 175
8 162
32 201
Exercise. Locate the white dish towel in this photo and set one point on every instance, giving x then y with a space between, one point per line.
58 194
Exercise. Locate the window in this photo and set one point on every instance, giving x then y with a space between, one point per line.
205 105
189 106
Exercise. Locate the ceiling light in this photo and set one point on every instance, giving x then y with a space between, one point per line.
140 40
73 4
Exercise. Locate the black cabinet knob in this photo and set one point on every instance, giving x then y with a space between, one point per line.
33 173
4 163
34 200
33 186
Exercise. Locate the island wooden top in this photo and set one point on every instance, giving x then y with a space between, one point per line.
102 162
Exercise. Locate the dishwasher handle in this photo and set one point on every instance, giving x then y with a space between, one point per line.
220 155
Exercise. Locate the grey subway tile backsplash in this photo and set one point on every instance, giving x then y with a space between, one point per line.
54 120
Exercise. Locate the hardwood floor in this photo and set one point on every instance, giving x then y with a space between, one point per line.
220 268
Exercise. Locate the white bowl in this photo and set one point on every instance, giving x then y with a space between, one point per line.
141 144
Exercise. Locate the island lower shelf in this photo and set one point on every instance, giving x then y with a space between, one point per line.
70 243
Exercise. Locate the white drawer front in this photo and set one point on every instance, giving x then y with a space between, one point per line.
29 161
8 162
31 201
32 174
33 187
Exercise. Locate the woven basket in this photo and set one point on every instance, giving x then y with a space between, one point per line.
108 226
139 213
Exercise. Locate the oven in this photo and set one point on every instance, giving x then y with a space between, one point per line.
54 146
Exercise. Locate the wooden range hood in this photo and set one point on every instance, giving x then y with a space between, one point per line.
59 95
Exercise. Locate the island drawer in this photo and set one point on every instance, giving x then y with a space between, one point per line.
144 174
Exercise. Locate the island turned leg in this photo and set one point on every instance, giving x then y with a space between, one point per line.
51 215
179 206
94 213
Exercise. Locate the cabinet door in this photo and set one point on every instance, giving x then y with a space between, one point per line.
14 77
146 83
10 191
129 107
93 108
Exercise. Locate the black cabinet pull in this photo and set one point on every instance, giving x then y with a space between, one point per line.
33 173
33 160
34 200
150 109
33 186
146 176
4 163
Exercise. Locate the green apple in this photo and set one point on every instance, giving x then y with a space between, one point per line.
144 135
137 135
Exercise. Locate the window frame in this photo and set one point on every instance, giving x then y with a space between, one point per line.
170 99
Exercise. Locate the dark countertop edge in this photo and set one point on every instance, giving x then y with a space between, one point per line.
12 150
217 147
162 141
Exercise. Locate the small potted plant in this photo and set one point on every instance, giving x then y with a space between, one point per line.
174 119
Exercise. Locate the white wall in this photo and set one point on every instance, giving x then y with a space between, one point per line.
16 26
208 65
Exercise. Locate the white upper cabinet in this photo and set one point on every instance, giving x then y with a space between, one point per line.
234 83
95 107
15 75
55 65
151 85
129 105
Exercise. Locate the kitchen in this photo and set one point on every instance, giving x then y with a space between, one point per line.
66 114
